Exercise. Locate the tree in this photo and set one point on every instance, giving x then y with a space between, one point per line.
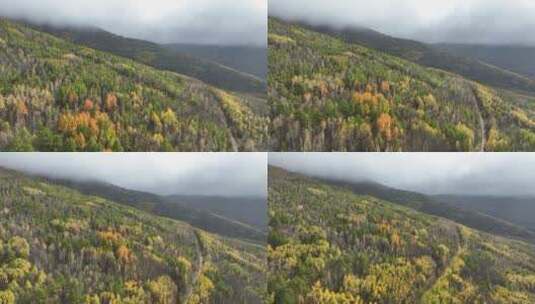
169 120
88 105
384 125
18 247
163 290
183 267
7 297
124 255
48 141
22 142
111 102
156 122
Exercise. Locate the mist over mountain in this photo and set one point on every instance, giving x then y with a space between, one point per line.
473 173
472 21
164 174
226 22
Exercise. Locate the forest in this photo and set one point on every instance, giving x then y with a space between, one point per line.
234 217
209 64
328 94
449 57
328 244
59 96
58 245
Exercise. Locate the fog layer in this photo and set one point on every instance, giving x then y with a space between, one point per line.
224 22
225 174
497 174
459 21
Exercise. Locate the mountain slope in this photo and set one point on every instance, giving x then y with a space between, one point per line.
328 245
439 57
518 210
210 71
519 59
60 246
178 208
248 59
249 210
330 95
460 211
57 96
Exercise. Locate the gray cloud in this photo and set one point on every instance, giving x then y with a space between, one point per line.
226 22
226 174
460 21
431 173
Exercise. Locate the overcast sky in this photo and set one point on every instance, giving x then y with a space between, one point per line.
226 174
465 21
167 21
430 173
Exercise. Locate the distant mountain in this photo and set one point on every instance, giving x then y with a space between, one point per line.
446 57
329 244
362 91
224 223
247 59
59 96
518 59
60 246
248 210
518 210
210 71
461 211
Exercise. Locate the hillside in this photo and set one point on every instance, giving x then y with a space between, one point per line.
460 210
229 219
329 245
330 95
199 66
248 59
58 96
519 59
249 210
444 58
60 246
518 210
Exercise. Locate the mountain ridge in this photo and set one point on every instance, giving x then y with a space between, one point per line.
432 56
248 59
168 207
158 56
517 58
434 205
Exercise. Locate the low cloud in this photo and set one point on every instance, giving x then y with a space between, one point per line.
430 173
225 174
460 21
224 22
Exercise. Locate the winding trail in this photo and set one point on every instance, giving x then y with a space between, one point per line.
483 133
481 122
451 268
200 262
